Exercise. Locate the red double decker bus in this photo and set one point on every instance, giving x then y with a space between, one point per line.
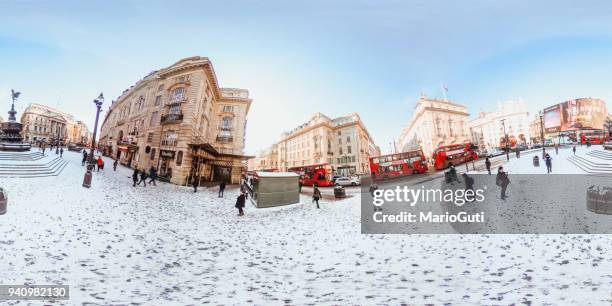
317 174
593 137
398 164
455 154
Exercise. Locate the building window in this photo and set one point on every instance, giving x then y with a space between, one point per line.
170 138
227 123
339 140
148 150
348 139
228 108
153 154
340 151
150 137
160 88
348 150
178 94
154 119
179 158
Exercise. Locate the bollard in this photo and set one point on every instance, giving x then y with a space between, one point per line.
339 192
3 201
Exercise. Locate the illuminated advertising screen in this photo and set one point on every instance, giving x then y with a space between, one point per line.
583 113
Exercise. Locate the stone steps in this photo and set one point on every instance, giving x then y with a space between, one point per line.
51 168
601 154
12 156
590 166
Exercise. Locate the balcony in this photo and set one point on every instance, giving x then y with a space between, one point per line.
225 139
171 101
171 118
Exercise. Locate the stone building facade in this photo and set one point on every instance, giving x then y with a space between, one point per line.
265 160
434 123
46 124
488 129
179 121
343 142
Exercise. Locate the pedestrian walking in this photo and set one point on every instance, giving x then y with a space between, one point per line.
84 157
452 172
61 152
373 189
143 178
115 165
503 181
240 203
135 177
557 149
574 149
316 195
152 176
548 163
469 185
488 165
221 189
195 181
100 163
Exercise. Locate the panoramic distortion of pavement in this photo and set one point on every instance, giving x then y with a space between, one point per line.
165 245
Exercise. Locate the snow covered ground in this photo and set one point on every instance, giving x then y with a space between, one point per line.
165 245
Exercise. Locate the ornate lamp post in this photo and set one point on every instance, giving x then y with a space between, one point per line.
506 137
90 165
542 132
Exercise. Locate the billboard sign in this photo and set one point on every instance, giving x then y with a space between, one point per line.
578 114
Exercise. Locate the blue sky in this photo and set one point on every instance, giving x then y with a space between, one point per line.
297 58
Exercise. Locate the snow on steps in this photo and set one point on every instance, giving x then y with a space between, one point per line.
25 170
15 156
590 166
606 155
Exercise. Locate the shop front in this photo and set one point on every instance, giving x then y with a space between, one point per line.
209 166
166 160
125 154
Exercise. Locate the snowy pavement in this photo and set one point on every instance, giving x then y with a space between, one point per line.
165 245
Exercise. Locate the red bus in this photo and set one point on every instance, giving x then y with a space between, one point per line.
455 153
398 164
319 174
593 137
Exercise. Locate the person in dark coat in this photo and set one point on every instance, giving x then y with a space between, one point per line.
115 165
195 181
240 201
152 176
143 178
469 184
84 158
488 165
135 177
574 149
503 181
316 195
548 163
221 189
61 152
452 172
557 149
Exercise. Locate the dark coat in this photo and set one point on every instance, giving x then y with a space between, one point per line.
135 175
143 175
469 182
502 179
316 194
153 173
222 186
240 201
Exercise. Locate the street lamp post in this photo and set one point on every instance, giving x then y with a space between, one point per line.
90 165
542 133
506 136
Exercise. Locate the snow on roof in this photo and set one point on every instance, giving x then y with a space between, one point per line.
276 174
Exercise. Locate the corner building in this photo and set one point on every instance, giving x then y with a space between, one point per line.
179 121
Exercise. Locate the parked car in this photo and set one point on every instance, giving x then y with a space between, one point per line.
495 152
347 181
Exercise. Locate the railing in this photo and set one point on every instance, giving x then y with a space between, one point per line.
174 101
171 118
225 138
169 142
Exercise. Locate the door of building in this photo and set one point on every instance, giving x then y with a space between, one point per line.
222 174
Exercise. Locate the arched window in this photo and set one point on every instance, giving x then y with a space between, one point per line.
179 158
227 123
178 94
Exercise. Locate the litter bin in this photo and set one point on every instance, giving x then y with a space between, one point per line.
339 192
536 161
3 200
